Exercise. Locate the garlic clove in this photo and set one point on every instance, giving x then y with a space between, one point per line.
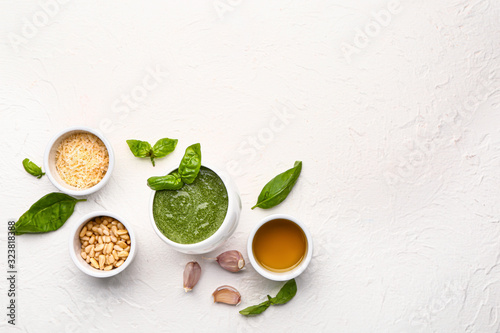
231 260
192 273
227 294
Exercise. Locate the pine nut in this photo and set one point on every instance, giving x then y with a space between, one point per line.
102 261
92 239
92 253
85 244
123 254
125 237
120 226
122 232
110 259
122 244
115 254
118 248
88 248
113 239
88 260
84 255
107 239
100 240
109 248
108 268
82 233
88 233
99 247
85 238
127 249
119 263
128 242
94 263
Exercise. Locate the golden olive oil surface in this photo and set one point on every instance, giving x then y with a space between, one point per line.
279 245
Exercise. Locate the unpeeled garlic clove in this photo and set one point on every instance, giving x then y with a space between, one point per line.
227 294
231 260
192 273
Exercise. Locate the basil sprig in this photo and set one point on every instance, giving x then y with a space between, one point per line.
188 170
162 148
190 163
47 214
278 188
286 293
32 168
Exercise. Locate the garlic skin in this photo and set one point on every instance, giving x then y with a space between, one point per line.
192 273
227 294
231 261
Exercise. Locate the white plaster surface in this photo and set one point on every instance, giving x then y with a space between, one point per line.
400 143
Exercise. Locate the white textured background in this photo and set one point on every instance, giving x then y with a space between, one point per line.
397 127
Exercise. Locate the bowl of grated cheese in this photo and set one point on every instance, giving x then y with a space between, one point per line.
79 161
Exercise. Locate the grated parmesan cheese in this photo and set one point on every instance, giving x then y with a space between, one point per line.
82 160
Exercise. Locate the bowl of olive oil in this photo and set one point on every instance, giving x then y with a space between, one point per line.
280 247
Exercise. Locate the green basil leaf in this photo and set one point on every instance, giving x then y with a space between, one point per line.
279 187
140 148
190 163
163 147
32 168
172 181
286 293
256 309
47 214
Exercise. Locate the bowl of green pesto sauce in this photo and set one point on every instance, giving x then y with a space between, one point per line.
200 216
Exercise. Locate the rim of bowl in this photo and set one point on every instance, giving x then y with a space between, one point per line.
284 276
78 260
205 242
96 187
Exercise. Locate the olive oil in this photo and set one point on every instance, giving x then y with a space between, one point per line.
279 245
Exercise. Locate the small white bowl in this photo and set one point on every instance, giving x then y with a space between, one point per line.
75 247
281 276
49 161
222 234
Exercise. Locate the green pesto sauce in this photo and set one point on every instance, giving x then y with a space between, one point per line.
194 212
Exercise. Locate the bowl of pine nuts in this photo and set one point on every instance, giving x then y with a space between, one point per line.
102 244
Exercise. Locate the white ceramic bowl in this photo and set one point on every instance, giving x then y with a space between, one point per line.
49 161
75 247
222 234
281 276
